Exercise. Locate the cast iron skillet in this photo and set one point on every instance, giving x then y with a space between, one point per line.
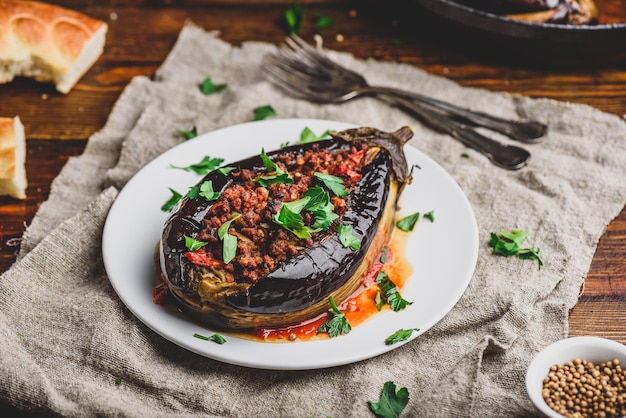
576 44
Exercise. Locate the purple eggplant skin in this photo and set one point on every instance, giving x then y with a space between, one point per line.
299 288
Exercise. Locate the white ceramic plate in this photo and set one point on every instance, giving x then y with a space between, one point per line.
135 223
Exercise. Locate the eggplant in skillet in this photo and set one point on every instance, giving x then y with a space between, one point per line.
572 12
266 241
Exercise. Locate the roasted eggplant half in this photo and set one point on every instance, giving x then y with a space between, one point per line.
265 241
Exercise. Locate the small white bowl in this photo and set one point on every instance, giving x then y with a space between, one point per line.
594 349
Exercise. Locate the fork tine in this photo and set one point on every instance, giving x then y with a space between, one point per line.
321 60
304 70
308 61
321 71
282 75
297 50
302 49
288 59
297 84
300 46
294 71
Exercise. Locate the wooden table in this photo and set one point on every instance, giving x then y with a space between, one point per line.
142 32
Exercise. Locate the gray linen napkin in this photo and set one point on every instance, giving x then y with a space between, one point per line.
67 336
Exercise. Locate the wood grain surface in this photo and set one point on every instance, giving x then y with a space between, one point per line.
141 33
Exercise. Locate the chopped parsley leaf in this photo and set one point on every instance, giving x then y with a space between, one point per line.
315 198
383 254
430 216
317 201
229 242
208 87
270 165
391 403
172 201
193 244
530 254
188 134
204 190
509 244
225 170
334 183
324 216
263 112
318 198
279 175
297 206
407 223
229 248
347 237
323 22
204 166
223 229
294 16
321 208
337 324
292 221
282 178
400 335
307 135
118 381
390 293
380 302
217 338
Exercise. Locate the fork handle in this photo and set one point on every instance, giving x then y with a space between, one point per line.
524 131
505 156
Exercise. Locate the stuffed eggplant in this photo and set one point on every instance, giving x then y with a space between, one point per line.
264 242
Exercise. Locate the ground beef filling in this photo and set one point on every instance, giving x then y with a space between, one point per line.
261 243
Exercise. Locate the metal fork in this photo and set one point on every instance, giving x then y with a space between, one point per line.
305 72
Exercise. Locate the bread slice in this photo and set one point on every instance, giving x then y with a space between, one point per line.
12 158
47 42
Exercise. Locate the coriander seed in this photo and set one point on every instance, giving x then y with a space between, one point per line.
581 388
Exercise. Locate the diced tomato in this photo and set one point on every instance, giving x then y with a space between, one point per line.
356 156
201 258
353 175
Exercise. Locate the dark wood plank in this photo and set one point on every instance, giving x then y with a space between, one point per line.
601 318
44 160
607 274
